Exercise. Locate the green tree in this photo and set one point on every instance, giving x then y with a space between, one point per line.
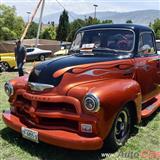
32 31
11 25
78 23
107 21
49 33
19 26
156 27
74 26
1 26
63 27
129 21
91 21
8 34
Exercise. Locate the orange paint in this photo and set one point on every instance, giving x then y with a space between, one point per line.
57 114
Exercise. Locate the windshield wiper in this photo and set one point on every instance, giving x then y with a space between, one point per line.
81 53
105 49
74 51
87 53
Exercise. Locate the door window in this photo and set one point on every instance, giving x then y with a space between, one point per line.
146 44
30 49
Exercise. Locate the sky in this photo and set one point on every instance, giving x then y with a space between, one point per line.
83 6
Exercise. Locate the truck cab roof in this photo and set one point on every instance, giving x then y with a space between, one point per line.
117 26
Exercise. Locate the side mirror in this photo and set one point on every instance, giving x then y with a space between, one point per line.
145 49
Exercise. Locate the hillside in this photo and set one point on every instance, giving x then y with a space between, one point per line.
143 17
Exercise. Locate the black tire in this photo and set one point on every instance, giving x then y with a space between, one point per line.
42 57
1 69
120 131
5 66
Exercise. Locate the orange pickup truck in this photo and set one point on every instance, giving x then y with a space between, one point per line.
92 97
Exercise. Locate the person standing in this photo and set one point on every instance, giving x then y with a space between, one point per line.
20 55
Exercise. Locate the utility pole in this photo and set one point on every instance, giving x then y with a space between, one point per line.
30 21
40 23
95 5
28 15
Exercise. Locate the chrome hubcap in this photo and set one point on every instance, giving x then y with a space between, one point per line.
5 66
42 58
121 126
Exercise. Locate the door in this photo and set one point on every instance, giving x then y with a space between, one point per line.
147 64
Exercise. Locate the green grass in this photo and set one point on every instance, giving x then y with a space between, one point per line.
14 147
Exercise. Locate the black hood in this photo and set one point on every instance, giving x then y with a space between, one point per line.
43 72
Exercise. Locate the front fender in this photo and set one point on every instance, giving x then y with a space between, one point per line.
116 92
19 82
10 60
113 95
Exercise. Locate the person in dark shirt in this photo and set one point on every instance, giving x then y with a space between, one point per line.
20 55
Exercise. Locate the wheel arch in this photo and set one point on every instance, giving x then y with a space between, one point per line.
131 105
109 140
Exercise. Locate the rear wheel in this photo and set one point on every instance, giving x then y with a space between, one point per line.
42 57
120 130
5 66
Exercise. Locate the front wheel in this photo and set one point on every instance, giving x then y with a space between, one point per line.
4 66
42 57
120 130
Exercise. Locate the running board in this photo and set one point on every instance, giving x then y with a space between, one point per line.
148 110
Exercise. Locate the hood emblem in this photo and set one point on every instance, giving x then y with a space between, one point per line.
37 72
39 86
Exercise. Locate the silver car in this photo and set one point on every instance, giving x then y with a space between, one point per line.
37 54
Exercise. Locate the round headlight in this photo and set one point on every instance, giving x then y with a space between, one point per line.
91 103
8 89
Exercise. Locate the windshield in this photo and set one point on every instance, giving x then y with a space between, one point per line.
117 40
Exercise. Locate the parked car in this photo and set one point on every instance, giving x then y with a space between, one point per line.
7 62
158 46
93 97
64 50
37 54
11 54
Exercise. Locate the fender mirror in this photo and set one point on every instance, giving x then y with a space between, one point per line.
145 49
62 47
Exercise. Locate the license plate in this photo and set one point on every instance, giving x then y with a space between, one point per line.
29 134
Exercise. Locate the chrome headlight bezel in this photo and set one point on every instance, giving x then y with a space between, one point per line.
92 98
8 87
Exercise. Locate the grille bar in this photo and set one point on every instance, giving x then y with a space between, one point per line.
50 106
47 115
